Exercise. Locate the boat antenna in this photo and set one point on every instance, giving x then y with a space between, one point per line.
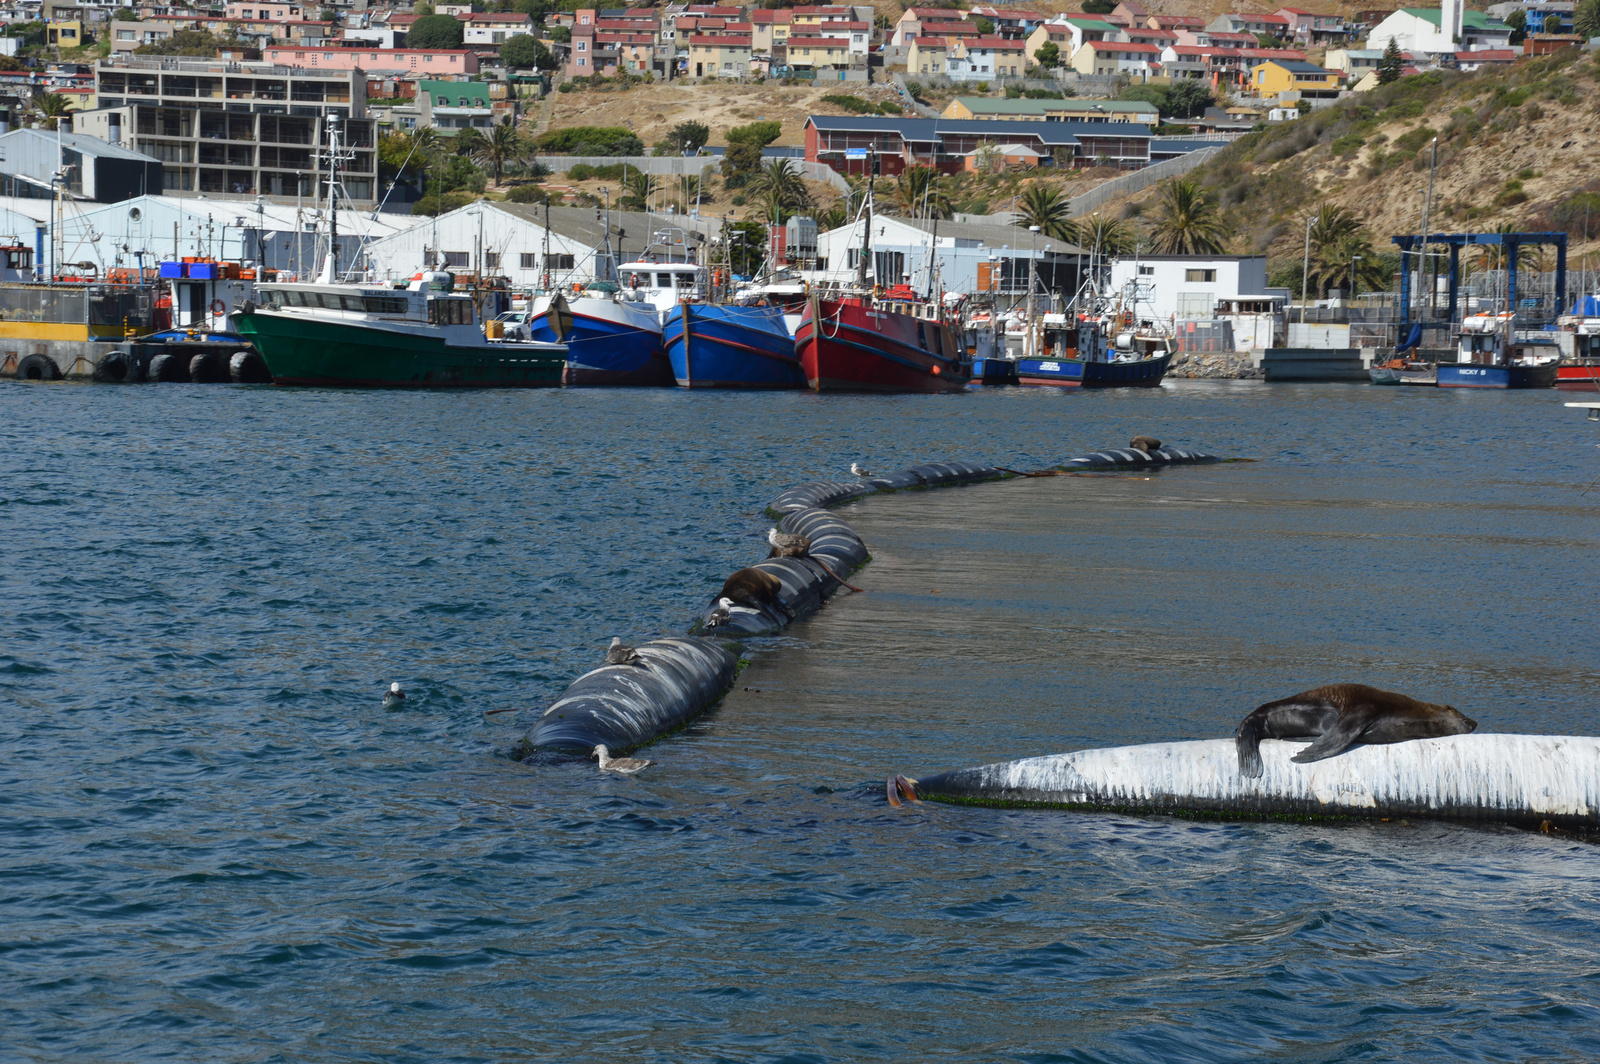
866 234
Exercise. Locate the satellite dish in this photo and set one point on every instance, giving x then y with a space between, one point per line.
133 212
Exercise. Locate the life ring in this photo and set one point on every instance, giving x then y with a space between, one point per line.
218 308
633 280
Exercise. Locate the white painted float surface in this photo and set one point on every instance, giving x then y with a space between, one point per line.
1477 776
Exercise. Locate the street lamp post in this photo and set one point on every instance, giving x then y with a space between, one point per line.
1353 260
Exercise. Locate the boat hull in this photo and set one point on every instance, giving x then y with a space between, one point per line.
1465 375
1074 373
712 346
301 350
1578 373
860 348
608 344
1417 376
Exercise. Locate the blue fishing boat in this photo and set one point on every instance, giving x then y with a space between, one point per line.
1080 356
1491 357
716 346
610 341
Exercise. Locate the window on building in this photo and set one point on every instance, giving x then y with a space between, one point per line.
491 260
561 262
458 259
530 261
1200 276
1147 271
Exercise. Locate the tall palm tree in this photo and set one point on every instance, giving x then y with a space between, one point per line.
1048 209
773 208
917 193
638 188
468 142
1186 221
1331 225
49 107
502 147
1342 255
782 178
831 217
1103 235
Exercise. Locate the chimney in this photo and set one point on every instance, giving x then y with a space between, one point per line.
1450 15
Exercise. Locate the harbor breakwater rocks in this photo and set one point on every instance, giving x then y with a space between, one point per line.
676 679
1225 366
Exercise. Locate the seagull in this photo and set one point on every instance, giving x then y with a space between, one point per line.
620 653
719 616
788 544
625 765
1145 443
857 471
393 696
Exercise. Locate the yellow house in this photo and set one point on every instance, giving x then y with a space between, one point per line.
813 52
928 55
67 33
1280 75
719 57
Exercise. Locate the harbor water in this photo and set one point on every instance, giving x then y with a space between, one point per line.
217 845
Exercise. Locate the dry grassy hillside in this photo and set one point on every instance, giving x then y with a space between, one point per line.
1515 149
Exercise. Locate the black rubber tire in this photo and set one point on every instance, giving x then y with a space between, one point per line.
38 368
248 367
168 369
208 368
114 368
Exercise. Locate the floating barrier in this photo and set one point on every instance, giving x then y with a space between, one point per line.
1516 779
626 706
1132 456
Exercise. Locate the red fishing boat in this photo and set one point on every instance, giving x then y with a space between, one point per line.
870 344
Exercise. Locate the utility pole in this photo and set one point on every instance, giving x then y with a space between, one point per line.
1305 270
1427 216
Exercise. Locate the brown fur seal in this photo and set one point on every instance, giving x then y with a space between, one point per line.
757 589
1145 444
1340 715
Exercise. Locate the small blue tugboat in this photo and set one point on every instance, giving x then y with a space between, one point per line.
1079 355
1490 357
718 346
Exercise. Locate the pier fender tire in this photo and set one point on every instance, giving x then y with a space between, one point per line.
37 367
248 367
207 368
115 368
168 369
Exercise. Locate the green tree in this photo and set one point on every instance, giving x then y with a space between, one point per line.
536 8
467 143
831 217
404 156
983 26
436 203
1048 55
1342 255
503 147
687 137
1104 235
759 134
638 189
1392 63
917 194
49 108
125 14
1188 98
561 34
1586 19
779 181
524 51
185 42
747 245
1048 209
1099 7
435 31
740 162
1518 21
1186 222
422 9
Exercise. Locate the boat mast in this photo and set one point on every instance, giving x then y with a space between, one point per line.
866 233
330 266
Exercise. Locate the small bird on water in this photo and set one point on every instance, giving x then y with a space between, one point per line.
393 696
857 471
626 765
620 653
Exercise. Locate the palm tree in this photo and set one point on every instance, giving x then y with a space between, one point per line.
1342 255
49 107
773 208
468 142
502 147
917 193
638 188
1186 222
831 217
781 178
1048 209
1103 235
1331 225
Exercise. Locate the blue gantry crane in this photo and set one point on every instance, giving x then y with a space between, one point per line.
1414 244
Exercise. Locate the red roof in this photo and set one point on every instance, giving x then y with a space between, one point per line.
960 29
1488 55
498 17
1180 21
818 42
1119 46
722 42
1272 53
920 13
764 15
930 42
1157 35
995 44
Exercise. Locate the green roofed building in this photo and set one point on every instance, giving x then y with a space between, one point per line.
448 106
970 108
1449 28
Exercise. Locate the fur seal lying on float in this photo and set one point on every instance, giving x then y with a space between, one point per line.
757 589
1340 715
1145 444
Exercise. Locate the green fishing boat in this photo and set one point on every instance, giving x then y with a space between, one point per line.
365 336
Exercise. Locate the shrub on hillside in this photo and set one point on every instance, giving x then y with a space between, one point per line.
435 31
854 104
589 140
527 194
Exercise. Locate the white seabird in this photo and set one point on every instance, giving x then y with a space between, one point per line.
393 696
857 471
626 765
788 544
719 616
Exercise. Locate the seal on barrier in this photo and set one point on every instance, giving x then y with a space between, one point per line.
1145 444
756 588
1340 715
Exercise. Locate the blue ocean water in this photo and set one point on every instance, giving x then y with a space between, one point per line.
215 844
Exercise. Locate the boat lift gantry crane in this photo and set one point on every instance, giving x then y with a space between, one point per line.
1415 244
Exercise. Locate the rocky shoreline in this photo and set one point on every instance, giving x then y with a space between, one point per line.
1233 365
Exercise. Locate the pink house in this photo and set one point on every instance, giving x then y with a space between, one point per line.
400 60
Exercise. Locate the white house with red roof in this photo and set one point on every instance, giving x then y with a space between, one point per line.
1116 57
1235 22
912 18
495 29
985 58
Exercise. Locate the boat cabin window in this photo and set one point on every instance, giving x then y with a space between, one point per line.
450 311
386 304
663 280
